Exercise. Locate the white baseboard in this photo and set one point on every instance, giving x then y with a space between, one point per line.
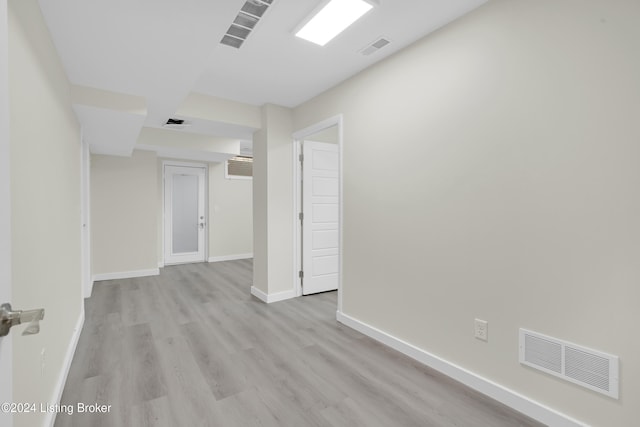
230 257
160 264
93 282
487 387
259 294
62 378
269 298
126 274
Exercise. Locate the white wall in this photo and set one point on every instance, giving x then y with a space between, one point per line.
220 110
230 214
45 186
273 202
260 220
172 139
517 129
127 221
124 202
280 209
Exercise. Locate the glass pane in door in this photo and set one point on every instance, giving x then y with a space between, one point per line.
184 213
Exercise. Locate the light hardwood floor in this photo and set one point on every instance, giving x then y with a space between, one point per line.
192 347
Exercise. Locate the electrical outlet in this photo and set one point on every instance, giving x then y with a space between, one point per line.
481 329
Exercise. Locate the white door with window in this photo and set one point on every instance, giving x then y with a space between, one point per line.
321 210
184 214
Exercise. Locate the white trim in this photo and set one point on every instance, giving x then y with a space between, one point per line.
85 209
162 215
340 120
502 394
126 274
320 126
297 208
6 345
275 297
230 257
298 136
62 378
184 164
259 294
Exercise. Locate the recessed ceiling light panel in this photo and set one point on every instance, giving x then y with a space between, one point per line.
332 19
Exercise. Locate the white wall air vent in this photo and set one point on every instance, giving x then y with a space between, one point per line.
245 22
375 46
589 368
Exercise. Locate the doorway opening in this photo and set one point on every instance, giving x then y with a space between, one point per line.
185 212
318 205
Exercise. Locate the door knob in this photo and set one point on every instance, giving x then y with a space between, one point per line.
10 317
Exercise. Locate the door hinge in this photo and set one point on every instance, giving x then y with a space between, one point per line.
301 158
301 274
301 216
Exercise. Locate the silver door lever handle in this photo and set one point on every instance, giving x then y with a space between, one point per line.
10 317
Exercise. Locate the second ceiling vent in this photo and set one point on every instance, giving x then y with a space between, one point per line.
375 46
246 20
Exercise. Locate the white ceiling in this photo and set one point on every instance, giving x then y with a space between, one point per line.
164 50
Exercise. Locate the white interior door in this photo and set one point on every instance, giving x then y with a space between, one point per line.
185 214
6 377
321 209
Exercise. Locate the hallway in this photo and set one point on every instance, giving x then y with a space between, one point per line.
191 347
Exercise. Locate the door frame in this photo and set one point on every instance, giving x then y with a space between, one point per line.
85 215
6 347
298 138
206 205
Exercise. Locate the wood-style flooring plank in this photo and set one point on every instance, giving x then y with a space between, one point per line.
192 347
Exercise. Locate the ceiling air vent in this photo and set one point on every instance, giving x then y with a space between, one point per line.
176 124
245 22
375 46
592 369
